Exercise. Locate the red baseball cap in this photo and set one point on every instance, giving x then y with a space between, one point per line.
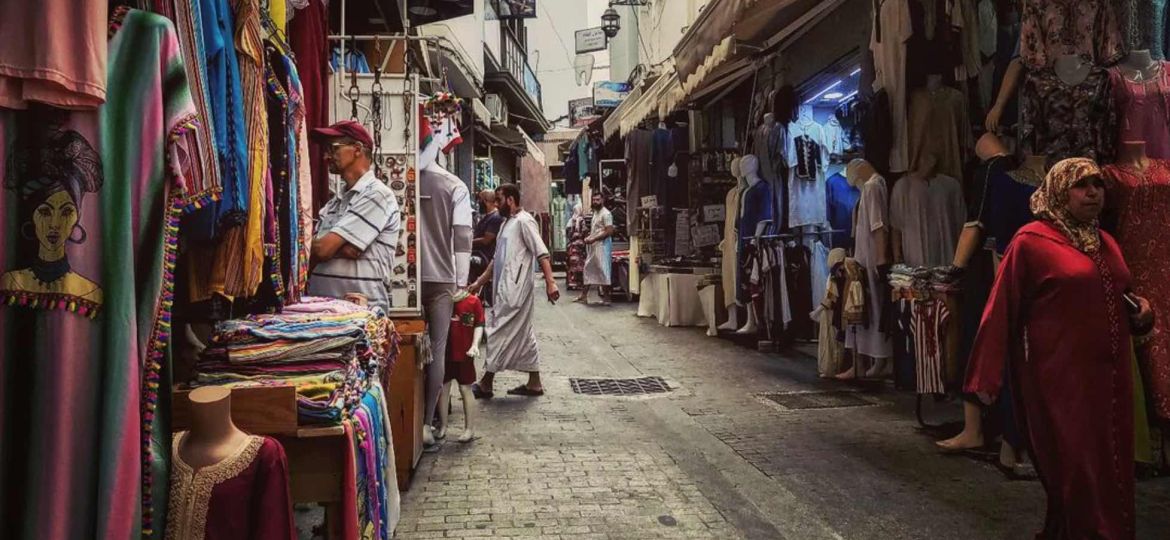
344 128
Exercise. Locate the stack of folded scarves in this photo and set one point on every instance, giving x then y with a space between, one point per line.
945 279
331 350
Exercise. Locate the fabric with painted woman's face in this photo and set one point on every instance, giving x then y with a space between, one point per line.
88 232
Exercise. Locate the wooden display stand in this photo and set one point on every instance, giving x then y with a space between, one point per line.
317 455
405 386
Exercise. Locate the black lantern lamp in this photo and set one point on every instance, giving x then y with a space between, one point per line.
610 22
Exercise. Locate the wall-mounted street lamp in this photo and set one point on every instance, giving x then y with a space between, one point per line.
611 21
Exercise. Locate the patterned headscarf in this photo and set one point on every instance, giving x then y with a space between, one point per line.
1050 202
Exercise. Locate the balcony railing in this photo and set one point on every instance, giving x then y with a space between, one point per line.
515 61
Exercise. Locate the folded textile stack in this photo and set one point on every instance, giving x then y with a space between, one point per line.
329 349
944 279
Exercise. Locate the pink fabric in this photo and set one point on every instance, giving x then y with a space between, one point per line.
54 52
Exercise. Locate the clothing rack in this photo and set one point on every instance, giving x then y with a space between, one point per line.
789 236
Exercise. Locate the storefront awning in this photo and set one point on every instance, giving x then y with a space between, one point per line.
651 101
613 124
738 28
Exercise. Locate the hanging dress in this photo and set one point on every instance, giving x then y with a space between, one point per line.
87 338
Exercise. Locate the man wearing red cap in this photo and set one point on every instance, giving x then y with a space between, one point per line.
353 250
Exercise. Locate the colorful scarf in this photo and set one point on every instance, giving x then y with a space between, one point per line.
1050 202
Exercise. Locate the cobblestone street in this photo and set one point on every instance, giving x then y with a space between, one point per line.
711 458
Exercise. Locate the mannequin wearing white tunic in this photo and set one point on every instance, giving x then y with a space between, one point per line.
509 337
599 258
871 218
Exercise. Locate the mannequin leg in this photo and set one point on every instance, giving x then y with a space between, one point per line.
851 373
469 433
972 434
444 410
879 368
438 307
752 324
732 319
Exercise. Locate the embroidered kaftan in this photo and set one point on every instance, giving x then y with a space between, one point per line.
1143 202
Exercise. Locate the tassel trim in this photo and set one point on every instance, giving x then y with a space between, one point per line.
51 301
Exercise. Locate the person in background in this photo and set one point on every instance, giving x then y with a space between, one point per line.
578 229
353 251
599 262
1059 322
511 342
483 243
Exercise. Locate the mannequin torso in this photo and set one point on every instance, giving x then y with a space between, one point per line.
213 436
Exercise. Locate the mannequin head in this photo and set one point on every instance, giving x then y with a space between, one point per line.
750 167
858 172
989 146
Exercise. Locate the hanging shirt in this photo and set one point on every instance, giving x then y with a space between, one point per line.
929 214
54 53
841 199
806 183
939 126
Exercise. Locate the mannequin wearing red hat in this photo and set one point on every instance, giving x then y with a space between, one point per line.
353 249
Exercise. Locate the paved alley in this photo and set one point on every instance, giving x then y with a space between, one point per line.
710 459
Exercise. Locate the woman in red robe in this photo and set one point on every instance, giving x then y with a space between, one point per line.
1057 321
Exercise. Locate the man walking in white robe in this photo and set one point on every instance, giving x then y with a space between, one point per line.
509 338
599 260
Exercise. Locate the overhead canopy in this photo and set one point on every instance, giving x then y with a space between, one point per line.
732 29
651 101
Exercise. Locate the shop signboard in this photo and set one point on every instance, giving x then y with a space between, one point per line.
650 201
590 40
705 235
610 94
582 112
515 9
714 213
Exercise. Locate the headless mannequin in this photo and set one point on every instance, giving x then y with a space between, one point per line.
1133 154
749 166
731 217
987 147
1139 66
213 436
464 390
439 312
881 241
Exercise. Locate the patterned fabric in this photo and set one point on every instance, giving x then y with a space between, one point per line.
203 184
1050 201
1064 121
1052 28
1138 195
929 323
1144 109
130 215
244 280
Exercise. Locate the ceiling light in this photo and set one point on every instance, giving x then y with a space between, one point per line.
834 95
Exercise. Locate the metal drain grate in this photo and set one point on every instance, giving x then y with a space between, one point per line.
836 399
620 387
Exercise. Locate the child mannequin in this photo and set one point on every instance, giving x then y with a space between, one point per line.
460 369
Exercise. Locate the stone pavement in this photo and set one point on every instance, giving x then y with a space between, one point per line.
712 458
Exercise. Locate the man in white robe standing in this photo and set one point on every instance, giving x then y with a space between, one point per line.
509 338
599 261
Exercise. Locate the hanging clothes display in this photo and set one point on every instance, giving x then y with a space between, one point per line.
929 214
188 19
638 174
1086 28
999 200
1142 200
308 34
1143 25
661 158
830 346
245 496
1143 109
891 29
940 127
1063 120
806 180
117 186
877 128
